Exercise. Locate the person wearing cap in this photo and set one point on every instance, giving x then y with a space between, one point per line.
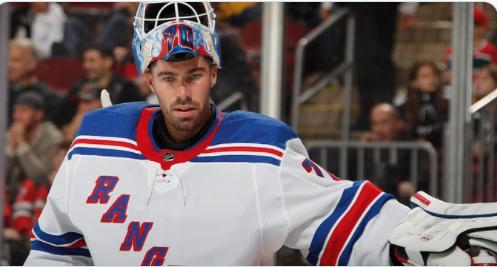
31 142
89 99
484 51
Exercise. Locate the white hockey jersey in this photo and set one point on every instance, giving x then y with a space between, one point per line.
234 198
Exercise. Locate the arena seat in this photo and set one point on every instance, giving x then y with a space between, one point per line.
60 73
251 36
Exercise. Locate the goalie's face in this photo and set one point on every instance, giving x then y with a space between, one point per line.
183 90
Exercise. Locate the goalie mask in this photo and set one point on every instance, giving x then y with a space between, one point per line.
174 32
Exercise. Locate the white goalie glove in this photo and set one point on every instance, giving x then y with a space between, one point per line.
436 233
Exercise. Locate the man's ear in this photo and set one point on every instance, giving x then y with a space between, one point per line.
213 75
150 81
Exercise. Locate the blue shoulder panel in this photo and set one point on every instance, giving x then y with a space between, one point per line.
115 121
249 127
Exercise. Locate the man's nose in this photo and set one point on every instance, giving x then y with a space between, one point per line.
184 92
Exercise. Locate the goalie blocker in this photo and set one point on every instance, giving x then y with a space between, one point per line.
439 233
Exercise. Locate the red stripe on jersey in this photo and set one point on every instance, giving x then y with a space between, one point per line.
345 227
422 199
245 149
81 243
104 142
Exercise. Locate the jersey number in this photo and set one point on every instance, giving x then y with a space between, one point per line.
310 166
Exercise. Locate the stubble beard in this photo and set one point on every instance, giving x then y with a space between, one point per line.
186 124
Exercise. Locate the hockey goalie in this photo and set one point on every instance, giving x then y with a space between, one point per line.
182 183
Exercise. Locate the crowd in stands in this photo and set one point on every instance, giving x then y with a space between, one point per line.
44 115
424 106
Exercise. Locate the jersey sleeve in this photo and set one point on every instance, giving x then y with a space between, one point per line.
335 222
55 240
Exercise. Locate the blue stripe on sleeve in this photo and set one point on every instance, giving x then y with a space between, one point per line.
64 239
373 211
40 246
104 152
238 158
319 239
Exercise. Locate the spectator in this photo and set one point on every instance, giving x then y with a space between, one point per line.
31 200
27 207
43 22
22 78
486 82
31 143
89 99
484 52
387 126
483 129
98 62
425 108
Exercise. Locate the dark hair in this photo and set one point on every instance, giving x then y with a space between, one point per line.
414 96
105 50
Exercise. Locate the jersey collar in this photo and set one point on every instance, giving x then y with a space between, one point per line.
168 157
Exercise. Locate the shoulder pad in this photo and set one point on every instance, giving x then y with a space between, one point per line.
114 121
249 127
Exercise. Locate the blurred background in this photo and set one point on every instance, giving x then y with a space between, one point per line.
402 94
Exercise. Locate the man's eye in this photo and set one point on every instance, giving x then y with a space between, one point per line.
195 76
168 79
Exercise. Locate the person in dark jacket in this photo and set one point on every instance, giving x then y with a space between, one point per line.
98 62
